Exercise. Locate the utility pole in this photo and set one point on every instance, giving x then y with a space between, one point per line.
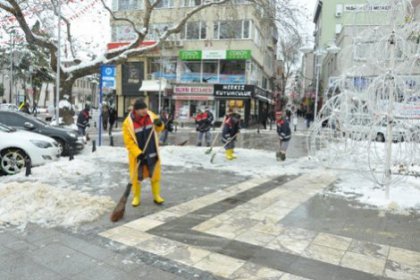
57 82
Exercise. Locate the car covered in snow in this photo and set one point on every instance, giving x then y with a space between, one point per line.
66 138
16 147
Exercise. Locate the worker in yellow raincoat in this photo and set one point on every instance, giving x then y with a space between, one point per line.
140 128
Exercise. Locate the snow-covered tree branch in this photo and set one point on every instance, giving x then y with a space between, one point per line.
37 19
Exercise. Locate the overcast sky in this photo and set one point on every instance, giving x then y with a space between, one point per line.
309 7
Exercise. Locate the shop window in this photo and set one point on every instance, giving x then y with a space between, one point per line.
166 69
191 72
210 72
194 30
232 71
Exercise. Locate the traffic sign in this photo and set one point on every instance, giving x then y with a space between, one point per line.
108 74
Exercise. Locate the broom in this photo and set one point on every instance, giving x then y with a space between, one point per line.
119 210
214 154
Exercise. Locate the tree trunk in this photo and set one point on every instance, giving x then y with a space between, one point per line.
66 113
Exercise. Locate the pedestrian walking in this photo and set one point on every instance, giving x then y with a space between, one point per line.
167 120
284 133
295 122
230 133
83 120
140 130
204 121
112 117
105 115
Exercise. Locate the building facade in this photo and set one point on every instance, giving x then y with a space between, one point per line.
224 57
346 24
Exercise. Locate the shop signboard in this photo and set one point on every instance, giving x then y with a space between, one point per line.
238 54
132 78
233 91
190 55
214 54
188 90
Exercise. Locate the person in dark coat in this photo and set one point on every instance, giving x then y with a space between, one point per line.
204 121
167 120
230 133
112 117
105 116
285 134
83 120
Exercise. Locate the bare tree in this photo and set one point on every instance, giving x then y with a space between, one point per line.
41 35
290 55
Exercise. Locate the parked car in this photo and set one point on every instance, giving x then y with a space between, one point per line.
16 147
361 127
9 107
66 138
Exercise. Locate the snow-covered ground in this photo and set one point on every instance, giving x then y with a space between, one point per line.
68 193
360 171
48 206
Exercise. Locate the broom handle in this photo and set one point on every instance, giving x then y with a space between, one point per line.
144 149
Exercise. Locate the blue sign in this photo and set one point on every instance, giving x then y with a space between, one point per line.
108 73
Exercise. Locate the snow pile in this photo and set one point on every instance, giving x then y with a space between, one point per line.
403 195
47 206
252 163
87 172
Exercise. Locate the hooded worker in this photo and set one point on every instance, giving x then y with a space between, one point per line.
140 130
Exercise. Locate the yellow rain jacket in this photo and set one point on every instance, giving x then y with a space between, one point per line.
134 151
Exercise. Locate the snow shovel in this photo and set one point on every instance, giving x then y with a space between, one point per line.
214 154
119 210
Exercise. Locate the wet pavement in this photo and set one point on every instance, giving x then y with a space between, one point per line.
219 225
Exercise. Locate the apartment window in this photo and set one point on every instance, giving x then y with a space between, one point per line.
194 30
191 3
157 30
124 5
235 29
165 4
121 33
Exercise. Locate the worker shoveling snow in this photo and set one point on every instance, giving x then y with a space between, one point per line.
48 206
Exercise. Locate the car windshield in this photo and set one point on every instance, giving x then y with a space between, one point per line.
5 128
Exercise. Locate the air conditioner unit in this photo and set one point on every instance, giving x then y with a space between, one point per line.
338 28
338 10
167 44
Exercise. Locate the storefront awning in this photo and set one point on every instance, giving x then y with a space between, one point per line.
263 98
153 85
